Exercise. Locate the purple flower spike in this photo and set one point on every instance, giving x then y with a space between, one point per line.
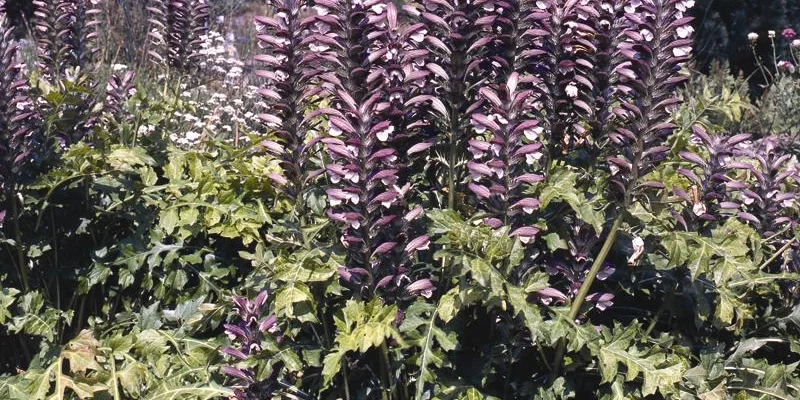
176 27
647 73
373 104
17 114
291 68
247 337
510 155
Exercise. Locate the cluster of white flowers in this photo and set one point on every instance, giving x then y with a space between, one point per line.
215 114
220 57
223 107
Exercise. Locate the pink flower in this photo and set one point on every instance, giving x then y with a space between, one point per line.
786 66
789 34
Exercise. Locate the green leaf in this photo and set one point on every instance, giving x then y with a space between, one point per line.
81 352
169 220
562 185
7 297
126 158
204 392
422 331
361 326
619 347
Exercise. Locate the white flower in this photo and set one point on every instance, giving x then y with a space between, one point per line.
647 34
572 90
378 8
771 34
699 209
192 136
752 36
632 6
796 43
318 48
531 158
333 130
685 5
682 51
684 31
383 135
638 250
419 35
533 133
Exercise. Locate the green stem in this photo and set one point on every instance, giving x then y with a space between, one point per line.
115 389
451 176
346 379
586 285
777 254
661 309
598 262
386 384
23 272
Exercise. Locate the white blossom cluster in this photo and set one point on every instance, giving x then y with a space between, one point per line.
223 106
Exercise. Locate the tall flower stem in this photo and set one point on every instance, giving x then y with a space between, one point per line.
586 285
388 391
23 273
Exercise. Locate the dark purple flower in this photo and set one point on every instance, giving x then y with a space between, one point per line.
247 336
601 300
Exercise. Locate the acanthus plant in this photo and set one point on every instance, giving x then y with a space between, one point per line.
292 69
176 28
253 334
366 196
18 127
562 60
768 201
404 73
658 41
710 196
457 44
67 34
506 163
119 89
